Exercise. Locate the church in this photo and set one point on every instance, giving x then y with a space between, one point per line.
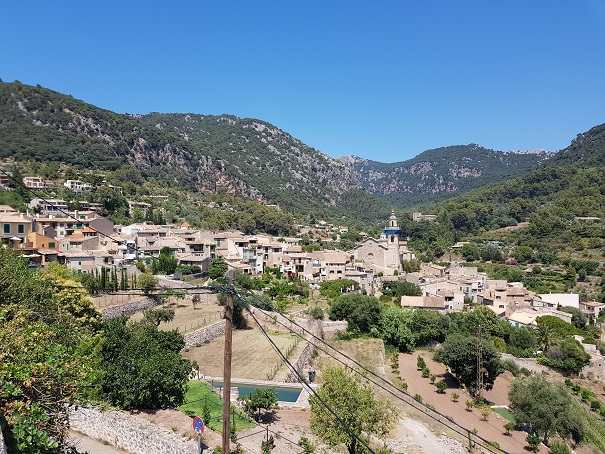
385 254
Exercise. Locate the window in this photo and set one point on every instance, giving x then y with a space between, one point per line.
7 228
20 228
51 245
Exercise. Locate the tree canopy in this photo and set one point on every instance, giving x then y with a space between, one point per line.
359 411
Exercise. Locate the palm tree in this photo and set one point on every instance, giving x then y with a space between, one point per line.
545 336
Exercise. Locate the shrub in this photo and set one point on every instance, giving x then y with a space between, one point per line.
441 386
533 441
420 363
316 313
469 405
509 427
558 447
595 405
418 398
511 366
432 378
426 372
455 397
485 412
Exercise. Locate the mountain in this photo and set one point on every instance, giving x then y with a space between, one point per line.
241 156
586 150
208 153
440 172
562 201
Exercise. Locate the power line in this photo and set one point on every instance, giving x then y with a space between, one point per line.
309 387
413 403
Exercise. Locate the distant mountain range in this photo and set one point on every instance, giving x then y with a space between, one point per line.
244 156
441 171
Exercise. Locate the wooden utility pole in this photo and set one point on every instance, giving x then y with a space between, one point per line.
227 368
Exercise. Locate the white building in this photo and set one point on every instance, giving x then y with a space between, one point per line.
77 186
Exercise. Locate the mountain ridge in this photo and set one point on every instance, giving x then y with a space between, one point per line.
242 156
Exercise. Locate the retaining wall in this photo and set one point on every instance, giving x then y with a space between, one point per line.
128 432
130 308
304 359
205 334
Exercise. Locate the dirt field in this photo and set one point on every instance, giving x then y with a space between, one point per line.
492 429
253 355
368 352
186 317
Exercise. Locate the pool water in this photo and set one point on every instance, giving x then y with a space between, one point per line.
283 394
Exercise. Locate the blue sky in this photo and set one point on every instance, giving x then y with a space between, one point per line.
384 80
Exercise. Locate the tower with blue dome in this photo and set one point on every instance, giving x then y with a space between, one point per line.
392 232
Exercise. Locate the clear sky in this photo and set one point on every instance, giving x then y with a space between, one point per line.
384 80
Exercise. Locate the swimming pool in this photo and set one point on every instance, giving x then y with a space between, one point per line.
288 394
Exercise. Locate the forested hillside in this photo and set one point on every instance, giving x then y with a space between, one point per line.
441 172
563 201
238 156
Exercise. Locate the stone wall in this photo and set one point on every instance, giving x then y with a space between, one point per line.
128 432
205 334
303 360
130 308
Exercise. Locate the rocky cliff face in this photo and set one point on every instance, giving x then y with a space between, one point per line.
440 171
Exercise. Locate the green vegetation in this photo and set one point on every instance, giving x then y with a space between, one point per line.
459 353
547 408
359 411
262 399
218 267
142 365
200 399
332 289
48 354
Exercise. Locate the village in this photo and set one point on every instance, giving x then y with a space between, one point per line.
85 241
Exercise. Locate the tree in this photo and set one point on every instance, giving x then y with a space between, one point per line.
459 353
394 328
524 254
566 355
558 328
158 315
218 267
471 252
264 399
533 441
360 311
441 386
148 283
359 412
491 253
143 367
334 288
397 289
545 407
522 342
166 262
578 318
48 355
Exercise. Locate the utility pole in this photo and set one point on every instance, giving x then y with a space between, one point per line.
227 366
479 365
